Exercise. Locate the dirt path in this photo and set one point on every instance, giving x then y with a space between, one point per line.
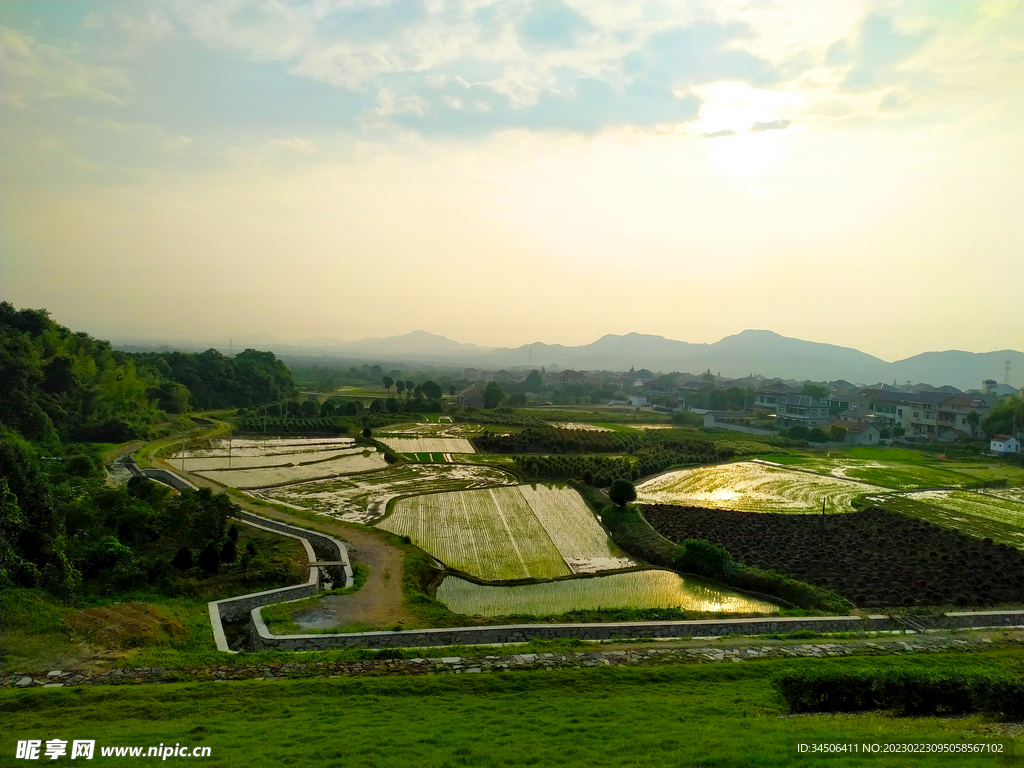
379 604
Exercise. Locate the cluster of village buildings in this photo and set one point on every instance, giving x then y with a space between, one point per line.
867 414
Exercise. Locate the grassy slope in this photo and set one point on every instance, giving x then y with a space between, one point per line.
709 715
33 635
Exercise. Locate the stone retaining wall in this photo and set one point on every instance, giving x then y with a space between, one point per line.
455 665
237 608
261 639
984 619
327 548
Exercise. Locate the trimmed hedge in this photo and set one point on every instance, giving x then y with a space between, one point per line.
907 691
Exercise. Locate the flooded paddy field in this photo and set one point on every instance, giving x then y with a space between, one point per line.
636 589
752 486
364 460
981 514
363 498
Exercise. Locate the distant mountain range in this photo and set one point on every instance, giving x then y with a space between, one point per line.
759 352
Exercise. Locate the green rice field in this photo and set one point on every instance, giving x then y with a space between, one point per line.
752 486
500 534
979 514
894 468
636 589
427 458
363 498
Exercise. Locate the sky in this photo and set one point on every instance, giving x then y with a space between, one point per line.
510 172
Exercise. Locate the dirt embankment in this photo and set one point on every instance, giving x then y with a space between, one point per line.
379 604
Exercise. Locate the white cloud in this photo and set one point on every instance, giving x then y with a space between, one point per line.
176 144
33 71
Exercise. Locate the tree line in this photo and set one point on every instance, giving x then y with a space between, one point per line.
61 386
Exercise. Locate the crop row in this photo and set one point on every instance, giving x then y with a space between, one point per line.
872 557
278 424
600 471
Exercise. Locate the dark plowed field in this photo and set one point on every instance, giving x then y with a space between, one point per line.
872 557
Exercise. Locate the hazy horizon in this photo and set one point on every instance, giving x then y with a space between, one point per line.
502 174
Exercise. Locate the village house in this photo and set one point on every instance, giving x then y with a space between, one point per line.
471 397
858 432
1004 444
571 377
932 414
801 409
768 395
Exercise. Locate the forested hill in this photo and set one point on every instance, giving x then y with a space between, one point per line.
216 381
58 385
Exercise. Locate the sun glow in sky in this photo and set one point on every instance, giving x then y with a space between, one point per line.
503 173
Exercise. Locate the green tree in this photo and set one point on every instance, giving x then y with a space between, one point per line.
228 552
494 395
431 390
974 420
517 399
816 391
622 492
209 559
400 387
1005 418
816 435
837 433
388 383
183 559
534 382
376 406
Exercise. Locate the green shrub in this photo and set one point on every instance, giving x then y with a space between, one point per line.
798 593
706 559
907 691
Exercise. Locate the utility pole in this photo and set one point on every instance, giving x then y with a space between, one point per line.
1006 376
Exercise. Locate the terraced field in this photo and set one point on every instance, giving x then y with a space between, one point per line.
579 538
431 429
243 453
979 514
903 475
507 533
637 589
753 487
363 498
365 460
234 461
428 444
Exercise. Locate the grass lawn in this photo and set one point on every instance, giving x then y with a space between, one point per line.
672 715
